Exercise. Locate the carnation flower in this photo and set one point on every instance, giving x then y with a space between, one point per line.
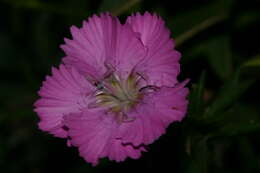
117 89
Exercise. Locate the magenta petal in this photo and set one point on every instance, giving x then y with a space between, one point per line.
92 131
154 114
96 104
63 93
102 43
119 152
86 51
124 50
161 65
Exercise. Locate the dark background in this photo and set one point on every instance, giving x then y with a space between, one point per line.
219 41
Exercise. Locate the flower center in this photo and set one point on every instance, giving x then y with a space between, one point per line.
116 94
119 95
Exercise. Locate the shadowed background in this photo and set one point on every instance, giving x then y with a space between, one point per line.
219 42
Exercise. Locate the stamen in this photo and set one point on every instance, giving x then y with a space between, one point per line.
118 95
123 118
148 89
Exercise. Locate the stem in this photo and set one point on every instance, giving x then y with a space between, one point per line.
198 28
42 6
125 7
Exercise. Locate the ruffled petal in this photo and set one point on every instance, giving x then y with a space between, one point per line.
93 132
124 49
103 44
119 152
90 132
86 50
154 114
64 92
161 65
102 47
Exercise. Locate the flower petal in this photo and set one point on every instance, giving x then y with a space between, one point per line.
63 93
161 66
124 50
103 43
93 133
154 114
86 51
119 152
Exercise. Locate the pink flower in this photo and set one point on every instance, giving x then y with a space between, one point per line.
117 91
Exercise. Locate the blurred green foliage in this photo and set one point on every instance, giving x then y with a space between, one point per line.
219 41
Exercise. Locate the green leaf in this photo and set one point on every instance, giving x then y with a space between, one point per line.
199 154
254 62
61 8
239 120
6 48
108 5
246 150
219 56
196 97
250 69
186 21
229 94
245 18
190 166
217 51
117 7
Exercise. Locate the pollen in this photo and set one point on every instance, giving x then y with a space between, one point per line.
118 95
